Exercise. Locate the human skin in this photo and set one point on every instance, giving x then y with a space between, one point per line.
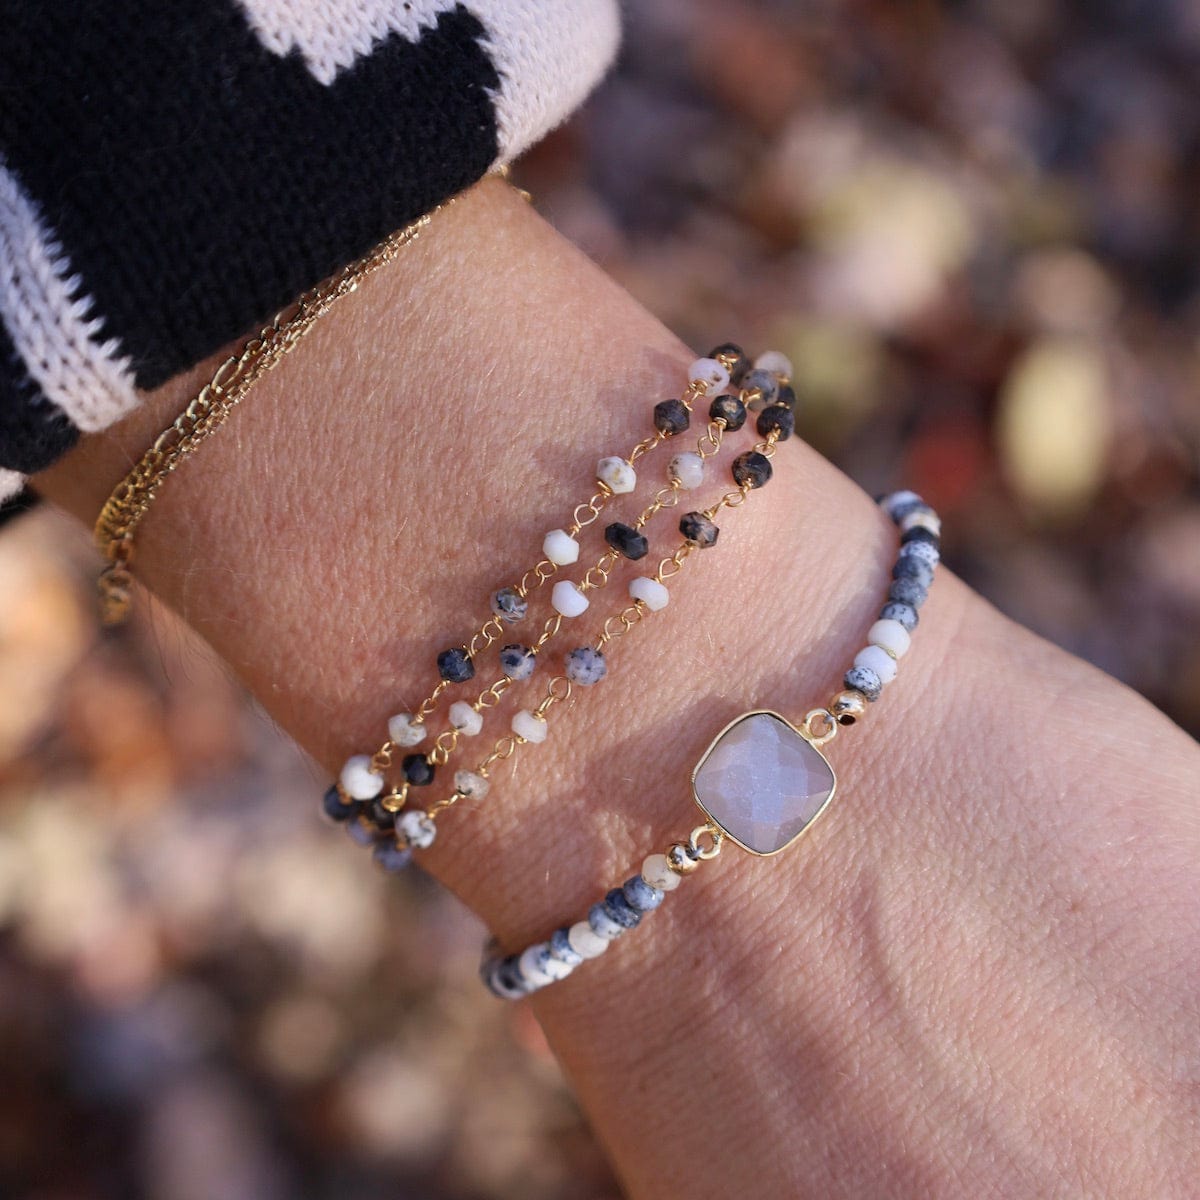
977 975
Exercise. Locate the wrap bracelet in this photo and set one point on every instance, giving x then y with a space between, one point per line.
761 784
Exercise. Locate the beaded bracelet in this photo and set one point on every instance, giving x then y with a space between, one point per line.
373 810
761 784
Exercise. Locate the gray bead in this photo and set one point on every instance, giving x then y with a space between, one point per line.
908 591
904 613
517 662
913 568
621 910
641 895
585 665
766 383
602 923
509 605
925 551
863 679
508 975
560 948
899 511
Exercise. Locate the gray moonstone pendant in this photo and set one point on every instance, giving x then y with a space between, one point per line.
763 782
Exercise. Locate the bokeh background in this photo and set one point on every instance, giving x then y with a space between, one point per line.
975 228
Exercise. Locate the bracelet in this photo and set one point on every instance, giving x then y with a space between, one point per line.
761 784
373 810
131 499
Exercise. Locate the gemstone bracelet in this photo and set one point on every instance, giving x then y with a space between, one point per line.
761 783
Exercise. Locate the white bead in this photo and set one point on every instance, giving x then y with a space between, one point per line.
560 548
471 785
530 968
416 829
404 731
616 475
358 780
585 941
656 871
688 468
775 362
922 520
465 719
876 659
891 635
529 726
568 599
710 372
650 592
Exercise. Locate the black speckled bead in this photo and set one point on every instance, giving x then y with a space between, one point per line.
561 948
455 665
640 895
918 533
908 591
417 769
618 909
751 468
730 410
337 809
763 382
863 679
917 569
517 661
626 540
904 613
671 417
741 364
786 395
509 605
776 417
699 530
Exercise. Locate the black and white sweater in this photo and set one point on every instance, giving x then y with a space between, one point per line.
171 174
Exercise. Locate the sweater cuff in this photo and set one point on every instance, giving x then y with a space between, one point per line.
172 175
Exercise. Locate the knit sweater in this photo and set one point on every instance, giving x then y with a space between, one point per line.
173 174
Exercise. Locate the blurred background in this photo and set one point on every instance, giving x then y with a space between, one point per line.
974 227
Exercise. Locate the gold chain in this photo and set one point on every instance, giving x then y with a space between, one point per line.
131 499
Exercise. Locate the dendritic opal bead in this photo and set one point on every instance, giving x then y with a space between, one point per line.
903 614
877 659
777 419
560 548
455 665
530 726
404 730
751 468
603 923
656 871
585 665
762 782
585 941
709 372
417 769
626 540
568 599
730 410
863 679
416 829
650 592
465 719
517 661
740 363
617 475
671 417
907 567
359 782
926 552
908 591
892 636
621 911
698 529
765 384
471 785
777 363
509 605
687 469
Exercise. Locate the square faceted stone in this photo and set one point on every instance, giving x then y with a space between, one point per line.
762 782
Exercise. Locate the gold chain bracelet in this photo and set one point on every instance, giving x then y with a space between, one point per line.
131 499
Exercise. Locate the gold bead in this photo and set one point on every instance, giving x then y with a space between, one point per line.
679 861
848 706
